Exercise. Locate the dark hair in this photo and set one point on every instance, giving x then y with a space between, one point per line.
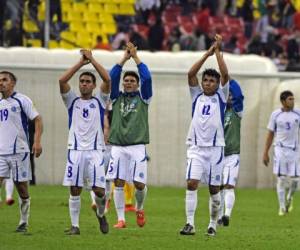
11 75
285 94
89 74
211 72
132 73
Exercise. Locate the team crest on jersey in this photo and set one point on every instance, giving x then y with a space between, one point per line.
13 109
92 106
218 177
213 100
141 175
102 179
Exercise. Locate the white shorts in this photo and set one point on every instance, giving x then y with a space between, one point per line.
16 164
128 163
231 169
286 162
205 164
85 168
107 153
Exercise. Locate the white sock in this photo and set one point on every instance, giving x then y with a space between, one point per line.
221 210
292 188
191 200
100 202
9 187
281 191
229 198
93 196
74 208
119 202
24 205
214 206
140 196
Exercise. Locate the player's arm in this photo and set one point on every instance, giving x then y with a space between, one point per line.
106 84
222 65
115 74
146 80
37 147
192 74
268 144
63 80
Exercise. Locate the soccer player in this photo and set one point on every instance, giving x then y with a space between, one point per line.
15 111
86 141
284 125
232 128
129 133
206 136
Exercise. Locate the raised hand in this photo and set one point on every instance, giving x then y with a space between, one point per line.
86 56
211 49
218 41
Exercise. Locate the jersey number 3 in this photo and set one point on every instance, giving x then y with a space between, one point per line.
3 115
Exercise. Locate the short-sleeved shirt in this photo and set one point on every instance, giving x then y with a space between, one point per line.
14 114
285 126
207 125
86 118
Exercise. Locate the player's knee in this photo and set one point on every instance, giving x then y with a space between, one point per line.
227 186
99 192
192 185
139 186
22 189
75 191
214 189
119 183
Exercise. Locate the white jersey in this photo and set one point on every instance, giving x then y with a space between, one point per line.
86 119
207 125
285 126
14 114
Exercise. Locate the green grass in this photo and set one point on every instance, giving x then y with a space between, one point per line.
254 223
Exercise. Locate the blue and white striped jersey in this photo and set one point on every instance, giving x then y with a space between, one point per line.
86 119
14 114
207 125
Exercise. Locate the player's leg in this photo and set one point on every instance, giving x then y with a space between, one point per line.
129 191
20 171
117 169
9 188
73 178
281 191
138 172
293 180
4 172
214 172
222 206
229 193
96 173
194 171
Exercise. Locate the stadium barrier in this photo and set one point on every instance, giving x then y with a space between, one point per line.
38 71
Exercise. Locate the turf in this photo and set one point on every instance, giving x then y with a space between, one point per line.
254 223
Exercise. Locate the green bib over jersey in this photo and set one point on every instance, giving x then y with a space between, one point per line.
129 121
232 129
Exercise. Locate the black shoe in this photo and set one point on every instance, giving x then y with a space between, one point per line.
187 230
211 232
72 231
225 220
22 228
220 222
104 228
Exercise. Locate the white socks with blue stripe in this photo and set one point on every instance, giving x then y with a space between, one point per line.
191 200
119 202
74 208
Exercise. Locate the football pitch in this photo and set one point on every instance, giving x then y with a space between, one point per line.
254 224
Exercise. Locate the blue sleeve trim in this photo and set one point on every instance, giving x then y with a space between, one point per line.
115 75
146 81
237 96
